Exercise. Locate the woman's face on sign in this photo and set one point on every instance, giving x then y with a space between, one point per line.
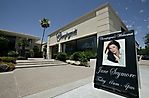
113 48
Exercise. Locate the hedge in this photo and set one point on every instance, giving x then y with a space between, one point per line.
8 59
61 56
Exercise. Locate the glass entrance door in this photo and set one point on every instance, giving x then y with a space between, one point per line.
54 51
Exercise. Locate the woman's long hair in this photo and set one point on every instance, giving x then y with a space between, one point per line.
110 54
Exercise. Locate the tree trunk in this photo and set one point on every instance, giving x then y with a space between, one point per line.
42 39
23 50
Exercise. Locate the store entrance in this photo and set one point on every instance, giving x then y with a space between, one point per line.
54 51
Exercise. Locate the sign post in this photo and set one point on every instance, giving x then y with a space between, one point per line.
116 66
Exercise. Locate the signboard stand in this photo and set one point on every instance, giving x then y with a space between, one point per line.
116 67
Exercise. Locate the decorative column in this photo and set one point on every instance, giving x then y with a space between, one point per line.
16 44
49 53
59 47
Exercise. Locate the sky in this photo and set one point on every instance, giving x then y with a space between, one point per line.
23 15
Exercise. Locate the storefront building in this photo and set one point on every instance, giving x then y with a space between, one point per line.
14 38
82 34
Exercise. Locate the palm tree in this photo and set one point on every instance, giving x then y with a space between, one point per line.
45 24
23 42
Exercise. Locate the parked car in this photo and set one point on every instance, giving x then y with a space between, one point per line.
145 57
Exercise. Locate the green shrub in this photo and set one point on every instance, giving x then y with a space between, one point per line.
71 57
68 57
75 56
31 52
79 56
61 56
8 59
83 57
21 58
12 54
90 55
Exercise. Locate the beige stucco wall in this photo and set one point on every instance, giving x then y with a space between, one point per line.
16 43
100 22
84 28
115 22
33 43
95 23
102 17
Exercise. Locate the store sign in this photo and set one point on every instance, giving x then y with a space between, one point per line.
116 66
59 35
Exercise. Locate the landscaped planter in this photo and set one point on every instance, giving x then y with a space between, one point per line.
86 64
68 61
73 62
93 63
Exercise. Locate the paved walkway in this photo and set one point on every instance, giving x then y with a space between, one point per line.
88 91
84 88
60 82
34 80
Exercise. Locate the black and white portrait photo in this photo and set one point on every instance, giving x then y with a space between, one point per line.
114 53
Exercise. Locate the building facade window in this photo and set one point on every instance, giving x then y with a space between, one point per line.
11 43
69 47
54 51
88 43
85 44
30 41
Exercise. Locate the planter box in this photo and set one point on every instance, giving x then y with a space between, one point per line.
87 64
93 63
67 61
73 62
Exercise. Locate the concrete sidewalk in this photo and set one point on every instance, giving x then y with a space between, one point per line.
58 91
88 91
30 80
33 80
84 88
67 81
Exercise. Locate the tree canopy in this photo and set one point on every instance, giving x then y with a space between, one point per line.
23 42
44 23
146 39
145 51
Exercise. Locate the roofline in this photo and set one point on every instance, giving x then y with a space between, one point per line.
91 12
20 34
39 42
117 16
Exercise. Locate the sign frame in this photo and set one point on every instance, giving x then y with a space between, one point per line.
118 77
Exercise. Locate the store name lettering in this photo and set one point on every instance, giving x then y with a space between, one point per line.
59 35
116 36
